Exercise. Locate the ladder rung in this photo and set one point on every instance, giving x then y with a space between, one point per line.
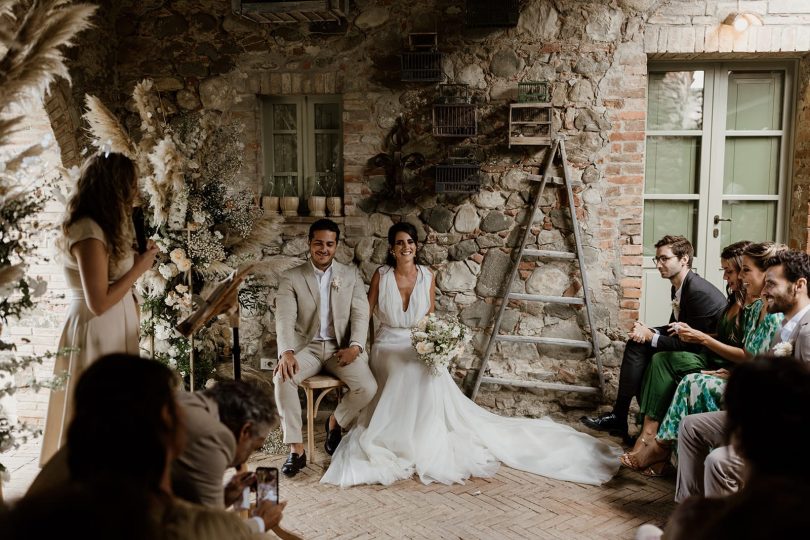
576 343
572 300
544 385
549 254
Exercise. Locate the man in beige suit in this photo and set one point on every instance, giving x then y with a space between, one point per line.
707 464
322 320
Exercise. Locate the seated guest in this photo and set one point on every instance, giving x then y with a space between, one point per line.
668 368
695 302
224 426
773 501
705 465
703 392
126 430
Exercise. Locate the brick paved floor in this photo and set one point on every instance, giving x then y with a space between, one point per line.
512 504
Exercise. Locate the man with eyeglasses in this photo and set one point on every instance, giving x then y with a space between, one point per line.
695 302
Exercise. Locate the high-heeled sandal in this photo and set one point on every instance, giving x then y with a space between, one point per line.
665 468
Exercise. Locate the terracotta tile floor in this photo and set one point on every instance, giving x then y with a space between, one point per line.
512 504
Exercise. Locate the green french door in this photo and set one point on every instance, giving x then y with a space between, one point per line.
716 166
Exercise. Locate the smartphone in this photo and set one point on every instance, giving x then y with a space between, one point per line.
267 484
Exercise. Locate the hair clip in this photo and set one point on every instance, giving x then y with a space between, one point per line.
106 148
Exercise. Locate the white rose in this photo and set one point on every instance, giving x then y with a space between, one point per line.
177 255
784 348
184 265
172 361
181 288
424 347
210 383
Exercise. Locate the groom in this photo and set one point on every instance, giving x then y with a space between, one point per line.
321 324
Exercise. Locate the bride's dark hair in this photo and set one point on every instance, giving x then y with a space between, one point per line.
402 226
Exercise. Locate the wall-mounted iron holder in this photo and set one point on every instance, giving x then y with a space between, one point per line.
422 62
453 113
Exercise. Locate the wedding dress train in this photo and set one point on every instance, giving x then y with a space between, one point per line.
423 424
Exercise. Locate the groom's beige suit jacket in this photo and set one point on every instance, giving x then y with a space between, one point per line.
298 307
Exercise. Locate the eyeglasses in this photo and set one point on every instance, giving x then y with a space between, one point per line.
663 259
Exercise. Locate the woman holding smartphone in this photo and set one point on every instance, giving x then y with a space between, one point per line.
100 267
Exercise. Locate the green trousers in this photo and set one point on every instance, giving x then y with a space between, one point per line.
665 371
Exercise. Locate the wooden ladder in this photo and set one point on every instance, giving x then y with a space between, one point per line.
557 148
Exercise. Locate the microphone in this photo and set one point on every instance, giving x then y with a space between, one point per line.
140 228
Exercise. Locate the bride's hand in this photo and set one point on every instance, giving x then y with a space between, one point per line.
347 356
287 366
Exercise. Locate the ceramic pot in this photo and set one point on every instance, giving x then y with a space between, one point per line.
335 206
317 206
289 206
270 205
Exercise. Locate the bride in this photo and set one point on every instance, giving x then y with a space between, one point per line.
421 423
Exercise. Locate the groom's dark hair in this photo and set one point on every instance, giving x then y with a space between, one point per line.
324 225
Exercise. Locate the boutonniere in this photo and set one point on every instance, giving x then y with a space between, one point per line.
676 306
336 284
784 348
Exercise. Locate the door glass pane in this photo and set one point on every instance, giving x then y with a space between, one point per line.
284 116
750 220
675 100
672 165
751 166
754 100
669 217
327 116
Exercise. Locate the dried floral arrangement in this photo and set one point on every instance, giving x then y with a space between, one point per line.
204 226
31 38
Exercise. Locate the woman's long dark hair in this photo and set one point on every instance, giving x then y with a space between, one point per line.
402 226
125 419
104 193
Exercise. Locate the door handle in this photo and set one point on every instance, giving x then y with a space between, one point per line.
718 219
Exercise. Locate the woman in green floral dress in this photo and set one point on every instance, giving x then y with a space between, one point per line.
668 368
703 392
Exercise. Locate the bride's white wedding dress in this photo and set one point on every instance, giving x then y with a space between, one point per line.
421 423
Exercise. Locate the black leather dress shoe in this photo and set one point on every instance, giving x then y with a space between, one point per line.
333 437
606 422
294 464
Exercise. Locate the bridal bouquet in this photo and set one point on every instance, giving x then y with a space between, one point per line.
439 341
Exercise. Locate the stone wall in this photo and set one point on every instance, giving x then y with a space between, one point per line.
593 53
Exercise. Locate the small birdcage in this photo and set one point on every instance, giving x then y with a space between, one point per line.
459 173
530 124
492 13
533 92
453 113
422 62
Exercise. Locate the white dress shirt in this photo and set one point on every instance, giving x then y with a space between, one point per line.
326 332
790 326
675 311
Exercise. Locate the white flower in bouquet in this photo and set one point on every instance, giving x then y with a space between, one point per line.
182 289
177 255
784 348
168 271
438 342
210 383
184 265
162 331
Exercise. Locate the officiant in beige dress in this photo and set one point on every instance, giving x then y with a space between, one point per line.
322 321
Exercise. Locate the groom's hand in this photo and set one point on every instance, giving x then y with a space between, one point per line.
347 356
287 366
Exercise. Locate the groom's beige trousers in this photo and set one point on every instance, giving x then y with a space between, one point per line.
316 357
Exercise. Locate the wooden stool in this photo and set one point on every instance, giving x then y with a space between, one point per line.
325 383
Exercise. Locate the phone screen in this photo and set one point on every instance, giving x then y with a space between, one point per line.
267 484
